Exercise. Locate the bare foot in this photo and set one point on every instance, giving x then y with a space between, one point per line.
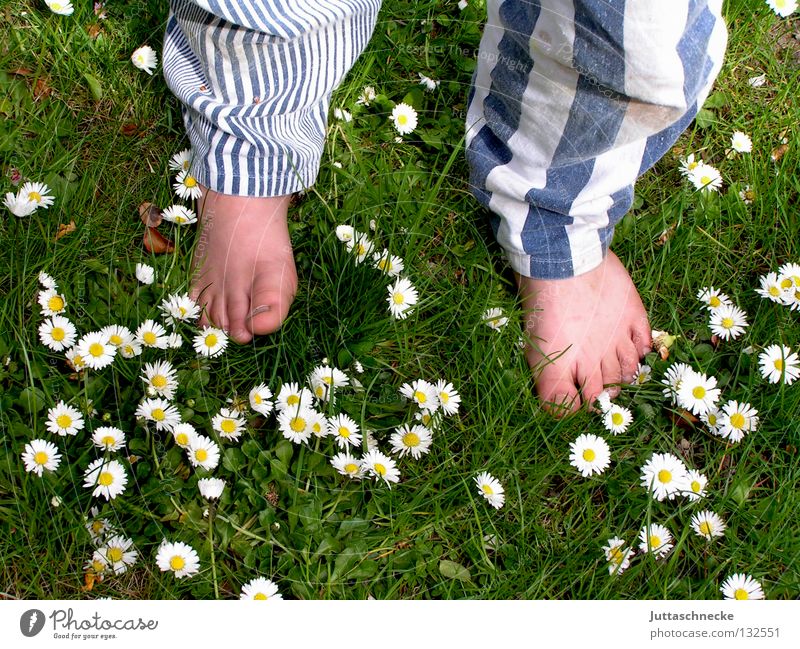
588 332
244 266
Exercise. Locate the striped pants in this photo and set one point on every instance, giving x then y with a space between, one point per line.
571 101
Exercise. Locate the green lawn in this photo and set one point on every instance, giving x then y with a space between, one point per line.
79 117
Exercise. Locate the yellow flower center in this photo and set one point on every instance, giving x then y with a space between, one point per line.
115 339
344 432
398 298
778 363
351 467
106 479
64 421
589 455
36 196
402 120
319 391
774 291
786 283
159 381
714 301
692 165
664 476
699 392
98 566
411 439
292 400
114 554
696 488
96 349
57 334
41 458
380 469
420 396
617 419
182 439
177 563
615 555
712 419
444 397
705 528
97 526
190 182
127 350
737 420
158 414
298 424
182 310
487 489
201 455
705 180
727 323
108 441
211 340
741 593
385 264
426 419
228 426
328 380
257 399
260 596
149 338
655 542
316 428
55 303
179 219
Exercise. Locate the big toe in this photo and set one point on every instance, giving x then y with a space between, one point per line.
269 310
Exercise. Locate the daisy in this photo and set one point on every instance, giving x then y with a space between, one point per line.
37 193
688 165
178 558
737 420
203 452
291 395
181 161
151 334
97 565
778 362
211 488
324 380
109 438
228 424
345 233
415 440
107 477
260 588
695 487
390 264
60 7
343 115
261 399
404 118
430 84
177 307
161 412
57 333
174 340
183 434
186 186
75 360
673 378
422 393
130 348
604 401
449 400
462 4
145 59
741 142
402 297
590 454
117 335
18 205
771 288
656 539
179 214
95 350
728 321
39 454
790 273
495 319
118 554
380 466
47 281
619 559
708 525
344 430
98 528
295 424
712 298
706 178
740 585
160 378
791 297
783 8
210 342
52 302
747 195
617 419
64 420
348 465
711 419
642 374
145 274
664 475
698 393
367 95
490 488
361 246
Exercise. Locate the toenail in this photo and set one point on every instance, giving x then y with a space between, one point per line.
260 309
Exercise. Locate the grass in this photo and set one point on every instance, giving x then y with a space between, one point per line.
78 116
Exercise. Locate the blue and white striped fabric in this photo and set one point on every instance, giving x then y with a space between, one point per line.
254 79
571 102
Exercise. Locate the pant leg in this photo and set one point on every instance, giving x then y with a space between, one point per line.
254 79
571 102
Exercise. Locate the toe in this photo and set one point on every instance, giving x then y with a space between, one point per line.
557 392
237 309
591 382
205 318
628 357
612 375
640 335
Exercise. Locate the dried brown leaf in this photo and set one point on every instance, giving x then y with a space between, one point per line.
65 229
156 243
150 215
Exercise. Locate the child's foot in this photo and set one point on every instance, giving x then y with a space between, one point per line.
244 266
593 329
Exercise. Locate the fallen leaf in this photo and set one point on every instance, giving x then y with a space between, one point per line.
156 242
778 151
21 72
666 235
65 229
129 128
94 31
89 579
683 419
150 215
41 89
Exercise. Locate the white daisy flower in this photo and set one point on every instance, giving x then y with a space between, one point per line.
183 434
348 465
789 275
345 233
74 359
39 454
695 487
779 363
617 419
655 539
131 348
343 115
712 419
118 554
618 558
490 488
52 302
295 424
178 558
747 195
109 438
402 297
771 288
161 412
429 419
174 340
430 84
47 281
145 274
203 452
706 178
381 467
291 395
186 186
642 374
741 142
95 350
449 400
728 321
604 401
324 380
673 378
211 488
422 393
367 96
38 193
57 333
698 393
179 307
344 430
97 565
712 298
462 4
358 367
210 342
151 334
160 378
495 319
19 205
260 588
361 246
229 424
791 298
179 215
740 585
261 399
181 161
117 335
404 118
144 58
665 476
390 264
708 525
589 454
737 420
415 440
784 9
106 477
99 528
64 420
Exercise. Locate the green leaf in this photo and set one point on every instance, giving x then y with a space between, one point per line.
716 100
705 118
453 570
414 98
31 399
95 88
284 451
